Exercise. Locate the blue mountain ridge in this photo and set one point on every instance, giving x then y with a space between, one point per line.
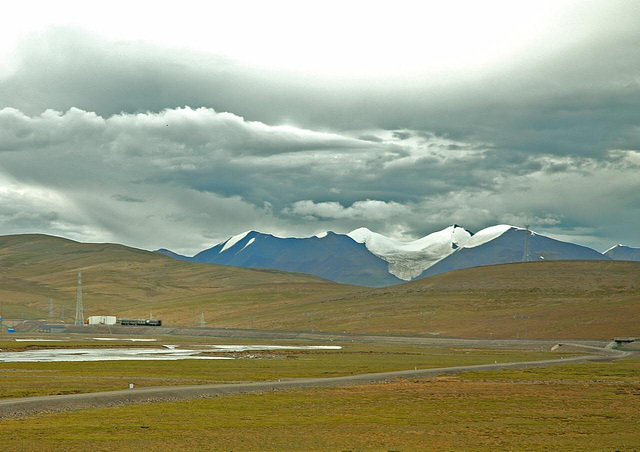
623 253
508 248
170 253
335 256
339 258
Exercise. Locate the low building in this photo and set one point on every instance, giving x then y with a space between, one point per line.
52 328
102 320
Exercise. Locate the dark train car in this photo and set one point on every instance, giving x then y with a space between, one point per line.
140 322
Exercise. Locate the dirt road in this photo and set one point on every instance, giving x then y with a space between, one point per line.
319 336
17 407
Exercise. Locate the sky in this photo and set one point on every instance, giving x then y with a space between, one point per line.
178 126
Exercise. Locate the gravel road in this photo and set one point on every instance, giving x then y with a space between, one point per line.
319 336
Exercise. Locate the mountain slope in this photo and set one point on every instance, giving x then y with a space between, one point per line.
332 256
570 299
623 253
124 281
170 253
409 259
506 244
546 299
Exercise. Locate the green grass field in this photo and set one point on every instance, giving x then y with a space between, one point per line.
592 406
30 379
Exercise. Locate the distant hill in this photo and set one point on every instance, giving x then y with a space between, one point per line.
544 299
554 299
623 253
125 281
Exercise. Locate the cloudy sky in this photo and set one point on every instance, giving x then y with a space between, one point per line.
178 126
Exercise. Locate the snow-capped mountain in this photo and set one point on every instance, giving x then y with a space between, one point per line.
333 256
409 259
367 258
502 244
623 253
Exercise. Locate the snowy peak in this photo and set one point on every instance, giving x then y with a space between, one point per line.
330 255
614 247
623 253
488 234
233 240
251 236
504 244
380 243
409 259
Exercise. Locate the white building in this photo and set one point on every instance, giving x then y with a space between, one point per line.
102 320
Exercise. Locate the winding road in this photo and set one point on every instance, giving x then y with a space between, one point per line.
17 407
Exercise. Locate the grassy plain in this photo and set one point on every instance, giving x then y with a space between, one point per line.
591 406
30 379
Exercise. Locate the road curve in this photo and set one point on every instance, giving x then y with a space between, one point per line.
17 407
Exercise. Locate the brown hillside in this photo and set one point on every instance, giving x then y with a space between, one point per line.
562 299
559 299
605 275
130 282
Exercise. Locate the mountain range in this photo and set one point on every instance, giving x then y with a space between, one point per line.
573 299
363 257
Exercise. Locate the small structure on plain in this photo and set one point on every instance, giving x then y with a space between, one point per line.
102 320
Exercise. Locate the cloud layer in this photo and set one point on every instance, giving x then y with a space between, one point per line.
152 147
186 178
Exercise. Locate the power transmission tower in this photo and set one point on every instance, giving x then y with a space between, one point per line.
526 255
50 308
79 307
202 322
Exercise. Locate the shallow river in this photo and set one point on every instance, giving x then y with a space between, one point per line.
169 353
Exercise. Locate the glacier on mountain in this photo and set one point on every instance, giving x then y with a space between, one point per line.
408 260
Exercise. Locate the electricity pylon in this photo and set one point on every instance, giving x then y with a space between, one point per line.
79 307
526 255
